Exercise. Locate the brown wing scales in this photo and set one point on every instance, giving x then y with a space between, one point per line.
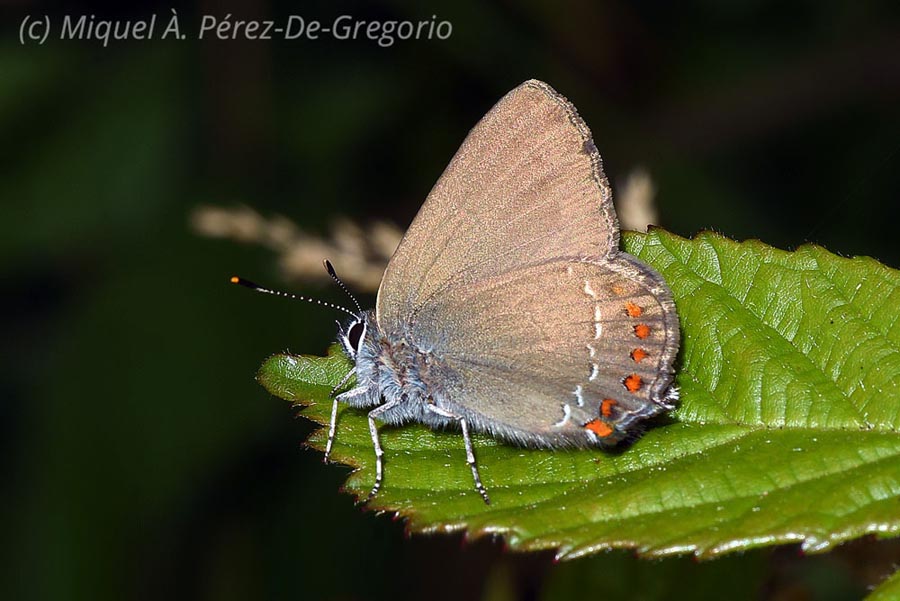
547 349
525 186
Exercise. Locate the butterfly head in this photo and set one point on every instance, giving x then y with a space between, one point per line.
352 335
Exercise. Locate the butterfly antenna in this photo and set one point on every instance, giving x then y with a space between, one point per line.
330 268
256 287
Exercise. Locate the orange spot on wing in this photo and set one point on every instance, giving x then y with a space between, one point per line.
235 279
633 310
618 290
606 407
642 330
599 427
633 383
638 355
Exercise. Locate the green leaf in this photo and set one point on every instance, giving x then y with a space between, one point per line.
786 430
889 590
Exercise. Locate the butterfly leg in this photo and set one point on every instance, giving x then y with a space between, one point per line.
343 381
470 453
332 428
373 431
332 425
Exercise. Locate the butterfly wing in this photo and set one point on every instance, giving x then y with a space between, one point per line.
526 186
570 351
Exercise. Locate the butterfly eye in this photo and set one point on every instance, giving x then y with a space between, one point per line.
355 334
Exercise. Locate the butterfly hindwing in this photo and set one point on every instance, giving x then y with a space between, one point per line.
541 351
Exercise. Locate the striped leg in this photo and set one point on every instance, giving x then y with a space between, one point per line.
470 453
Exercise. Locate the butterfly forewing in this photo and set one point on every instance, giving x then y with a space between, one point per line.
525 186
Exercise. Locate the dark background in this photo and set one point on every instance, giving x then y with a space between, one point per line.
140 460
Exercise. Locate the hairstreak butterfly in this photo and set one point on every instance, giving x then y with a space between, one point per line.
508 307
